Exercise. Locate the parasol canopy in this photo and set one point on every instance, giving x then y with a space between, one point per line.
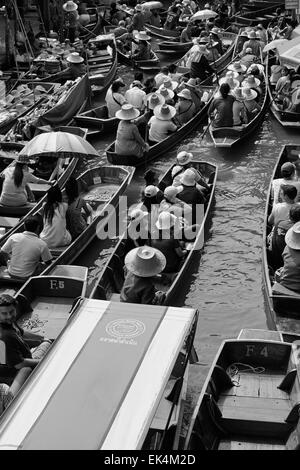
204 15
274 44
59 144
153 5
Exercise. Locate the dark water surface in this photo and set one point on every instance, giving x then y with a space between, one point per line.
226 284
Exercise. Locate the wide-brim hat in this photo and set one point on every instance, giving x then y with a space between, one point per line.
231 73
232 82
150 191
170 84
145 261
166 220
237 67
127 112
185 94
166 93
142 36
164 112
292 237
23 159
244 34
184 157
249 94
171 191
238 94
188 178
154 99
75 58
251 81
70 6
138 7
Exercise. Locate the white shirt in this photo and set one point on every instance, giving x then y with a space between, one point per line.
136 97
276 184
11 194
26 251
114 102
56 233
159 129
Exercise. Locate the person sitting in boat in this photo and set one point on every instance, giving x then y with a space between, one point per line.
75 69
283 85
136 96
25 253
238 108
197 94
248 58
291 104
280 210
252 107
15 189
185 108
220 109
138 22
161 76
257 70
22 348
143 264
129 141
288 176
190 194
172 204
161 124
230 79
78 210
186 34
277 239
150 85
114 97
172 19
254 44
239 71
167 94
150 200
121 29
198 63
213 53
254 84
155 19
54 211
144 51
214 34
276 73
289 275
153 100
183 162
138 228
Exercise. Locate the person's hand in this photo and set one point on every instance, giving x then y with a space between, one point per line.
52 182
147 147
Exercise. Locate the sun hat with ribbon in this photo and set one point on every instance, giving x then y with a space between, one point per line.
237 67
249 94
184 157
154 99
292 237
70 6
142 36
127 112
166 220
75 58
145 261
170 84
151 190
185 94
251 81
188 178
238 93
166 93
164 112
252 34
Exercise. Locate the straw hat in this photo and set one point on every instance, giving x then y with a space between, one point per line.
70 6
237 67
251 81
215 31
164 112
145 261
232 82
292 237
151 190
154 99
252 35
231 74
127 112
166 93
248 50
184 157
166 220
249 94
244 34
170 84
142 36
138 7
75 58
188 178
171 192
23 159
185 94
238 93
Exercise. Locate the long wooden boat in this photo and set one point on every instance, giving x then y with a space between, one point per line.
161 147
102 66
283 305
101 187
97 122
263 16
137 343
250 398
111 279
94 26
162 33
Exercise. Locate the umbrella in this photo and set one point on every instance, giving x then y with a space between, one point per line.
59 144
204 15
153 5
274 44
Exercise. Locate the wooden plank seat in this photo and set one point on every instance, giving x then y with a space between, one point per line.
8 222
237 444
99 73
102 58
17 211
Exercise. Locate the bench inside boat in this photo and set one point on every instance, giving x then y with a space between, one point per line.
251 400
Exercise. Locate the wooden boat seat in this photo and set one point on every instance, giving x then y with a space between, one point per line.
58 250
17 211
8 222
115 297
69 271
235 444
4 276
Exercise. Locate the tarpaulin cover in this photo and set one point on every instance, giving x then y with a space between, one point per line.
63 112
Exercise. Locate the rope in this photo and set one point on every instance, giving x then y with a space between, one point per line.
233 370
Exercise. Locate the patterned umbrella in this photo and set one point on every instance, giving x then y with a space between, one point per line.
59 144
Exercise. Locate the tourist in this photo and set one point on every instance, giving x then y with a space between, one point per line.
55 231
183 162
238 108
253 83
190 194
185 108
153 100
252 107
129 141
138 227
220 109
161 124
25 253
172 204
239 70
143 264
78 210
277 236
281 210
289 275
288 176
114 98
136 96
150 200
167 94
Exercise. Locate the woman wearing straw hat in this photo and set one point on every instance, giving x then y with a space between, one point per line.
143 264
252 107
230 79
239 70
220 109
161 124
129 140
76 67
289 275
70 20
185 108
253 83
196 92
198 62
144 51
15 189
167 94
238 107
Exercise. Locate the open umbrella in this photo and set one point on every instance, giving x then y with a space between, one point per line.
153 5
204 15
274 44
59 144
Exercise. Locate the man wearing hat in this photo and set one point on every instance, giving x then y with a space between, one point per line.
239 70
161 124
114 98
154 99
76 67
185 108
138 22
254 44
136 96
143 264
198 63
196 92
71 18
289 276
144 51
251 106
183 162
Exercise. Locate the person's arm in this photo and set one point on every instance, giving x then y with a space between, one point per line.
148 294
6 250
271 217
27 363
34 179
138 137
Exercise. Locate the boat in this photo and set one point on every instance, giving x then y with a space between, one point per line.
102 65
97 122
111 279
149 65
282 305
261 15
287 119
101 187
250 398
161 147
162 33
94 27
137 344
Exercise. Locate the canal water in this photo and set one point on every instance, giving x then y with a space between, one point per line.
225 283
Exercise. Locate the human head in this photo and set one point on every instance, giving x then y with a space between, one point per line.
32 224
54 195
172 68
117 84
145 261
122 23
295 213
72 189
288 170
150 177
224 90
170 193
8 309
289 192
139 76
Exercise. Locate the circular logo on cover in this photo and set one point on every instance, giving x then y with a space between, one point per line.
125 328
